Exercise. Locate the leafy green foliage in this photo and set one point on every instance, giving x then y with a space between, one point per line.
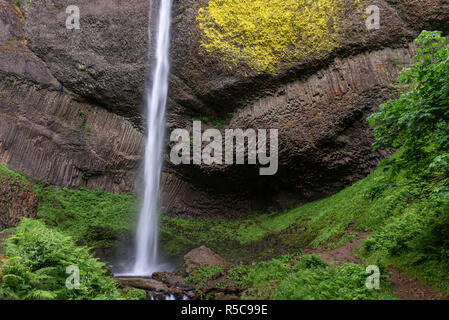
133 294
346 282
307 278
37 256
17 281
10 173
200 276
203 274
262 272
36 261
418 121
92 217
417 240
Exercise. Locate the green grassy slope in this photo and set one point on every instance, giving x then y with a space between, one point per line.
408 214
91 217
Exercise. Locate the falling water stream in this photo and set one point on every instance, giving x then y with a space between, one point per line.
146 261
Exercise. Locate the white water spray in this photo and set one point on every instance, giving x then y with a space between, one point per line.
147 231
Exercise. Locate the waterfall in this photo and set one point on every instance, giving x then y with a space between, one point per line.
147 229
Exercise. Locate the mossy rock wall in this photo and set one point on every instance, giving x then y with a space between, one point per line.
17 199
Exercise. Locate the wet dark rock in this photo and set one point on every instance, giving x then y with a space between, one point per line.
173 279
156 290
150 285
143 283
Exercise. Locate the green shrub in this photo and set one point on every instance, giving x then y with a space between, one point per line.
36 262
92 217
203 274
310 261
417 241
133 294
307 277
418 121
346 282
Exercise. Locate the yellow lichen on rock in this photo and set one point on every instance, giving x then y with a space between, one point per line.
264 33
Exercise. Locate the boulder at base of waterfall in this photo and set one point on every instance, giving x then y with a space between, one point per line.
156 290
203 256
172 279
143 283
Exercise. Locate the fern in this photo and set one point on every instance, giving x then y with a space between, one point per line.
36 262
41 295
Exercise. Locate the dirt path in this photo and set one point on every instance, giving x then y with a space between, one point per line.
343 254
405 287
410 289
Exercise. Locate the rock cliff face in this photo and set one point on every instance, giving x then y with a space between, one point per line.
47 130
71 100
